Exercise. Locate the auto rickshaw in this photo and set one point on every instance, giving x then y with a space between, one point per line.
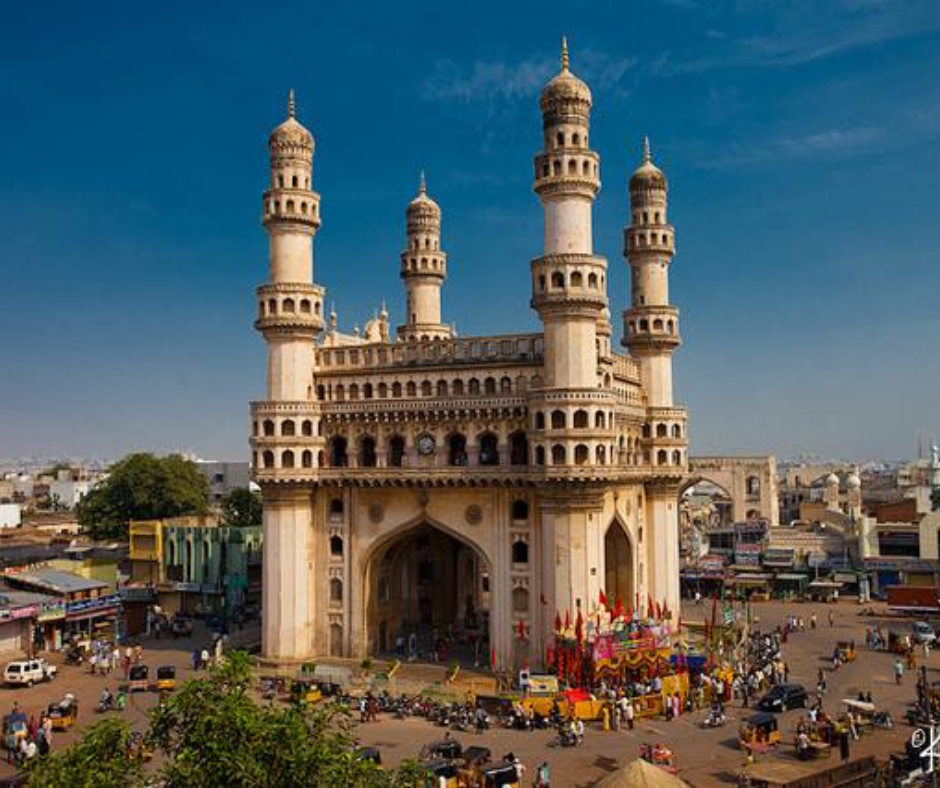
898 643
443 770
166 678
305 691
759 733
846 650
138 679
441 750
64 713
14 729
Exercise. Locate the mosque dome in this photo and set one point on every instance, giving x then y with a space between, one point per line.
853 482
565 87
422 205
831 480
647 175
291 132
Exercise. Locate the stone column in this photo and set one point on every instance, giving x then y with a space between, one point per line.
662 544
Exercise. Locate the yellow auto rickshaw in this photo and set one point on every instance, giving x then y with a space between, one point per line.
64 713
305 691
759 733
846 650
166 678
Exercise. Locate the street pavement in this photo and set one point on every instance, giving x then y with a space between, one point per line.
706 757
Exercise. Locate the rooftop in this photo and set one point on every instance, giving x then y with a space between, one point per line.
55 581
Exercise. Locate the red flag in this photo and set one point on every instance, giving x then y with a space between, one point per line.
618 610
579 628
636 605
603 599
567 620
557 622
650 610
521 629
493 658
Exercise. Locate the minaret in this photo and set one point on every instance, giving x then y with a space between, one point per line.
568 280
651 324
290 313
286 446
424 268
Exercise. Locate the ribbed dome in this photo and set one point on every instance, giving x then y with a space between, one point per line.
853 482
647 175
291 131
422 205
832 480
565 87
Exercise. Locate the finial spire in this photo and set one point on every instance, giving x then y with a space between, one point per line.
564 53
646 150
290 104
422 186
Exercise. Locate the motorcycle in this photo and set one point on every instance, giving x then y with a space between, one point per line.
106 703
714 719
882 719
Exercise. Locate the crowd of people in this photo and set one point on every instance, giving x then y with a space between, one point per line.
35 738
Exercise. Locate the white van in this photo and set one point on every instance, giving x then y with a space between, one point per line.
28 672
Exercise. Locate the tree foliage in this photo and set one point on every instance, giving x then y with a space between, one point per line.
103 757
143 487
241 508
213 732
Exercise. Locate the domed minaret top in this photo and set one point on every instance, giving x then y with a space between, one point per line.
647 175
565 94
422 208
291 135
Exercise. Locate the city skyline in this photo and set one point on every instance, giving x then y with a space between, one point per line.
786 142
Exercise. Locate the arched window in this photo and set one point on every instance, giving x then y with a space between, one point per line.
505 386
396 390
558 454
336 507
367 391
558 419
426 388
592 281
753 485
556 167
336 545
572 167
662 458
600 454
338 458
268 427
321 392
520 600
575 139
474 386
647 431
367 457
339 392
268 459
661 430
457 449
489 386
396 451
520 509
383 390
539 455
518 448
539 420
336 590
306 428
677 457
489 449
580 419
520 552
676 431
576 279
306 459
287 427
411 389
657 325
558 279
442 388
287 459
458 388
560 140
354 391
599 420
580 454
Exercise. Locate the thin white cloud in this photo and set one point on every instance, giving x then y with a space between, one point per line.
818 144
499 81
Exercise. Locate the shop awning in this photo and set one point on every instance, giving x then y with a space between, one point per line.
791 577
825 584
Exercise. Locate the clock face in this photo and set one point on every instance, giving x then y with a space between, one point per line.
426 444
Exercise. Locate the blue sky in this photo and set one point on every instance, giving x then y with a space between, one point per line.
801 139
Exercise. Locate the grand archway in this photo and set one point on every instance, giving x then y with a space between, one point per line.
427 587
618 565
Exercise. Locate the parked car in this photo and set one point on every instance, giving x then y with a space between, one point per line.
783 697
28 672
923 632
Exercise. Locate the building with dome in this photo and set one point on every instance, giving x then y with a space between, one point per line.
426 487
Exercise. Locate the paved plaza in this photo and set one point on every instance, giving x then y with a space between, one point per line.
705 757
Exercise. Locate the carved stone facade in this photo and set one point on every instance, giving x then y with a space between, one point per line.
481 484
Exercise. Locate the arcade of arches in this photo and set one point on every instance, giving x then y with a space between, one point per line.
429 584
618 565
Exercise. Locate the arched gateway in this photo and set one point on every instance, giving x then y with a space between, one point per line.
423 583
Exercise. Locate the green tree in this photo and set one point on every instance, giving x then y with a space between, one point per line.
241 508
143 487
102 758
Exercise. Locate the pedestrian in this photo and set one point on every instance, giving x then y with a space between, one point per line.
204 659
926 650
47 730
898 670
543 776
629 713
844 745
832 619
812 621
195 658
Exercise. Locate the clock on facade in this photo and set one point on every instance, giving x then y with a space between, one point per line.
425 444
